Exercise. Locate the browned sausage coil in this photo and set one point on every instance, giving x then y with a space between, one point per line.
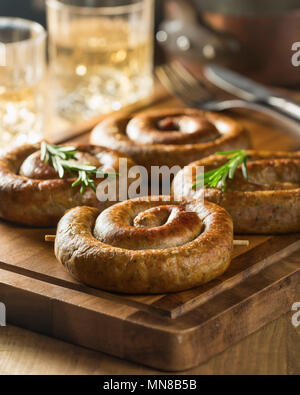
170 137
32 193
269 203
146 246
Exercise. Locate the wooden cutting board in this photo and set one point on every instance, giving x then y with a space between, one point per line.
168 332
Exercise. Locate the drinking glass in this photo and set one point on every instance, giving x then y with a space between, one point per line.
22 66
101 54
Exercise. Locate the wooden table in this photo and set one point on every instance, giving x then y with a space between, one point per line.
275 349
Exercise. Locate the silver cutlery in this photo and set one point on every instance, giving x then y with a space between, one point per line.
251 91
194 93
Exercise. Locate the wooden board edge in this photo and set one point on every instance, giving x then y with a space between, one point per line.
175 350
243 310
280 296
76 286
291 247
224 330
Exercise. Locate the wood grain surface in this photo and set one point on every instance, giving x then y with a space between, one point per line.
169 332
275 349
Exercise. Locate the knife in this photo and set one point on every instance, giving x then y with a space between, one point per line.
251 91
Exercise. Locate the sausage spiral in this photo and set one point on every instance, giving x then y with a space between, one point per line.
269 203
145 246
32 193
170 137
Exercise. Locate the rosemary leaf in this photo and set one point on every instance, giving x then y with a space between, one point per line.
62 160
215 177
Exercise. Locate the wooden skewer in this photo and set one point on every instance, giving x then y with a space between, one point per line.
51 239
241 243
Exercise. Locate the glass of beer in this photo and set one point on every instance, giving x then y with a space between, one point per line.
101 54
22 66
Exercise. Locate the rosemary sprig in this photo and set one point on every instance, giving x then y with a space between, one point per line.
59 158
213 178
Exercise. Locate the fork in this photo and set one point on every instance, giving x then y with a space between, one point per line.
192 91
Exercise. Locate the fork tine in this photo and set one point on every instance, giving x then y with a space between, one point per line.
198 92
191 80
190 89
184 85
183 90
162 74
171 82
179 81
184 72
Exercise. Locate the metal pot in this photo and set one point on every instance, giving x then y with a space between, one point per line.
253 37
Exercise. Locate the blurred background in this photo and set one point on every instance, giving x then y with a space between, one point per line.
28 9
98 65
36 10
252 36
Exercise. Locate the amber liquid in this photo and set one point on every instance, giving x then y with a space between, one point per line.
99 66
21 110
